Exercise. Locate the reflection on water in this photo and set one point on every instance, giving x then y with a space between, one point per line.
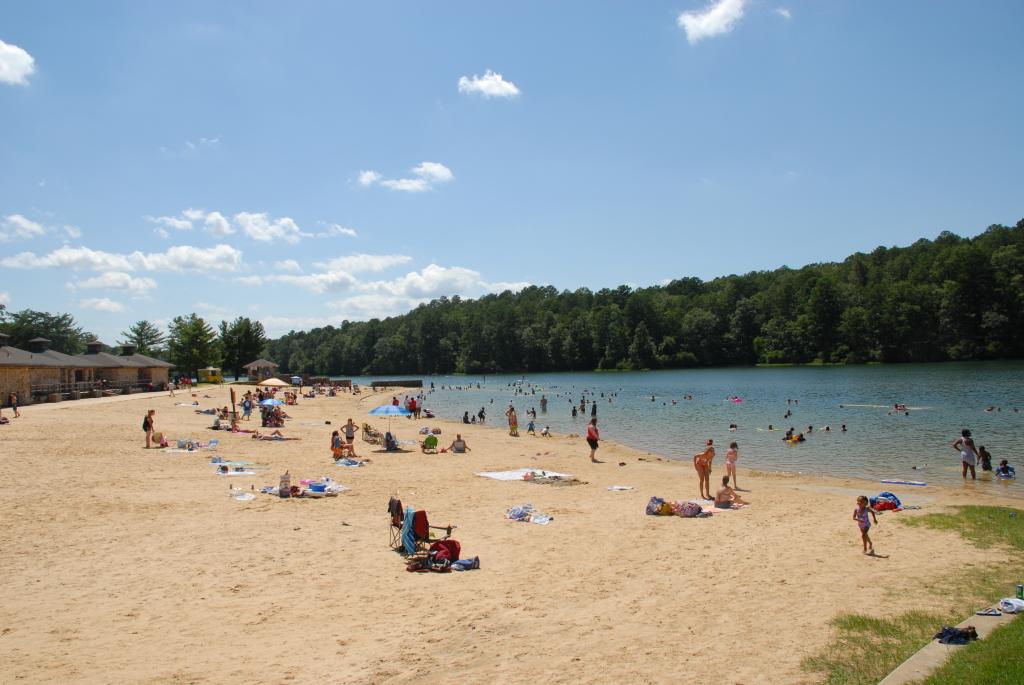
879 442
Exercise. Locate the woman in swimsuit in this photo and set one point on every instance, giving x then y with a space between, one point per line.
968 453
702 464
731 455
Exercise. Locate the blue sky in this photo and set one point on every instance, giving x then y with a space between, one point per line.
307 162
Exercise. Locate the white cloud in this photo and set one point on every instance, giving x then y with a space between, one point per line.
249 280
190 147
101 304
217 224
16 226
179 258
5 298
331 230
490 85
211 310
368 178
427 175
165 222
16 65
288 265
71 231
783 12
720 17
408 185
259 226
119 280
317 282
359 263
378 299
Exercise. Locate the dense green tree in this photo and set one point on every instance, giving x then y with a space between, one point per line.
64 334
943 299
146 338
241 342
191 344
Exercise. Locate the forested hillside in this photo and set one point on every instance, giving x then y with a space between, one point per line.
949 299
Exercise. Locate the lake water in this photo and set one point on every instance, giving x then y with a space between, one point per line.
879 442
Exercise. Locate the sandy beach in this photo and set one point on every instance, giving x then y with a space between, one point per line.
121 564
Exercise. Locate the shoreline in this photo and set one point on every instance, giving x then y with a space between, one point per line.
143 567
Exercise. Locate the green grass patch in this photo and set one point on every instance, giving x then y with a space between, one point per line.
865 649
996 660
984 526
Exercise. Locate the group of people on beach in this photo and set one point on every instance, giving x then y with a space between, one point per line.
972 456
726 496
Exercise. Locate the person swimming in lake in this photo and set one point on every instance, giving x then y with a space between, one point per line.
702 464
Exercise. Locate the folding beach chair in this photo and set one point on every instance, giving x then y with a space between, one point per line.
409 530
429 444
372 435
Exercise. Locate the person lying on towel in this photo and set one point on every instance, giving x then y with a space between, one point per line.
276 435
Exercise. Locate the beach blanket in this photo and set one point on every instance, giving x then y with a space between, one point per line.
519 473
618 488
348 462
246 472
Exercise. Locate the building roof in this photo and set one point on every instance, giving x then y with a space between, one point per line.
12 356
260 364
105 360
147 361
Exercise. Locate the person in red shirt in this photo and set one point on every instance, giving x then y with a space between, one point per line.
593 436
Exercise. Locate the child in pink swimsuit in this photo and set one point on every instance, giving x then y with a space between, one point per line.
860 515
731 455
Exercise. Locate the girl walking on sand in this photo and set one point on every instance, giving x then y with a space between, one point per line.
860 515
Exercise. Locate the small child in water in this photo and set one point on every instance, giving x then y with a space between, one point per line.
860 515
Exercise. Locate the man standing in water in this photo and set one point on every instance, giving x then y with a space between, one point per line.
968 453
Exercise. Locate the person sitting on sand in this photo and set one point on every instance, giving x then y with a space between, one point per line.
545 432
336 445
390 443
702 464
726 497
458 445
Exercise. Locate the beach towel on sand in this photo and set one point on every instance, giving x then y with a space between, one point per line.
519 473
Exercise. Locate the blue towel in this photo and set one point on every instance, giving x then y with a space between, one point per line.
408 540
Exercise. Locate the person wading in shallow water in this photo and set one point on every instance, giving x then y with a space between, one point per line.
968 453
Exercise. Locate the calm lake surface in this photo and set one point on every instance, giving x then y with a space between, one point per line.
879 442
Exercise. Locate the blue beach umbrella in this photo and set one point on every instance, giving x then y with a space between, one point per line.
272 402
390 410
